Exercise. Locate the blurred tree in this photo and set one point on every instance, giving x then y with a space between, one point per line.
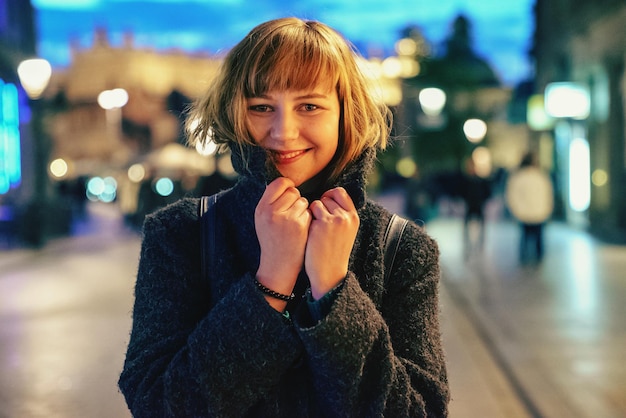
439 144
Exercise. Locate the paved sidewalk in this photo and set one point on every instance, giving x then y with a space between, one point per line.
521 341
556 330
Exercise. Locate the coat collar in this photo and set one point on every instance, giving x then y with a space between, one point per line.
253 167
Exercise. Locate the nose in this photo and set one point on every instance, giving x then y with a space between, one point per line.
284 126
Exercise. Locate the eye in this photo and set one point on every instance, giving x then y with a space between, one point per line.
310 107
261 108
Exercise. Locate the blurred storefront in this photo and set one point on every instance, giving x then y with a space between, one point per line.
579 51
28 211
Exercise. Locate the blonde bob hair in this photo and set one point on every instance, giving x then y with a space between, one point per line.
291 54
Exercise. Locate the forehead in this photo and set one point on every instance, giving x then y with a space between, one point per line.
292 69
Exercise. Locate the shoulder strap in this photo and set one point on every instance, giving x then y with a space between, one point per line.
393 234
208 220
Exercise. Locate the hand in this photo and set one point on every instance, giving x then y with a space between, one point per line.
282 222
331 238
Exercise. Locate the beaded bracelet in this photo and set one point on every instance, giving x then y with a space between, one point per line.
273 294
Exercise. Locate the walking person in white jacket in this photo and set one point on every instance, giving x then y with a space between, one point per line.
530 198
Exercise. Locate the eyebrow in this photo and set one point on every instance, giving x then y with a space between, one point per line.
313 96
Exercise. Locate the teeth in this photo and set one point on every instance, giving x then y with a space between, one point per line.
288 155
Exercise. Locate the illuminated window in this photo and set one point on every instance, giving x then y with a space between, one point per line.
579 175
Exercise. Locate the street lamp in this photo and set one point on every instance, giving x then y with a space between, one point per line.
112 102
432 100
475 130
34 75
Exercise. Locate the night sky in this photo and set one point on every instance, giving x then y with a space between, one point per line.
502 31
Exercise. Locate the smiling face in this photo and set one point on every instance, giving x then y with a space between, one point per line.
307 74
299 129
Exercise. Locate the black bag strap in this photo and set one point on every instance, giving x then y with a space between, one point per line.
393 234
208 220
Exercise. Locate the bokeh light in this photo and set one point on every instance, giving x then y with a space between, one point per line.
406 167
59 168
136 173
432 100
101 189
475 130
599 177
164 186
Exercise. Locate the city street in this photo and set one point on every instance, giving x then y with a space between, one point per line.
521 341
64 323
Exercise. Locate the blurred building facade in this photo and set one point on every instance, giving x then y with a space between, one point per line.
159 86
585 43
17 42
144 134
66 136
573 42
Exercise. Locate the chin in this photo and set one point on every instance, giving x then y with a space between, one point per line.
297 180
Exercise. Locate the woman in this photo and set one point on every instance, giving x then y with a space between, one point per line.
295 319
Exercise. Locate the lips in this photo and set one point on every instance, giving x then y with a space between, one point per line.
284 157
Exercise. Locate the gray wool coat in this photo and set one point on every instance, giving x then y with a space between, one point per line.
215 348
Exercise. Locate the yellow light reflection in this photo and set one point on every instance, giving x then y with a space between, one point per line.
136 173
481 157
392 67
406 167
599 177
406 46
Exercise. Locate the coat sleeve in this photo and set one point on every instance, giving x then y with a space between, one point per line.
389 361
186 358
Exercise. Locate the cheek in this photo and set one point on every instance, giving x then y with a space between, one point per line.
332 133
253 130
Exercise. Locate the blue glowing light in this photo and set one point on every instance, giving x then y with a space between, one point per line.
164 186
101 189
10 160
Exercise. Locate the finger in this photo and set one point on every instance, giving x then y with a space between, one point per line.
276 189
300 206
340 197
287 200
279 195
330 204
318 209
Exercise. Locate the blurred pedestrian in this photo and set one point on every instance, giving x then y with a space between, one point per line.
296 318
418 200
530 198
475 191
